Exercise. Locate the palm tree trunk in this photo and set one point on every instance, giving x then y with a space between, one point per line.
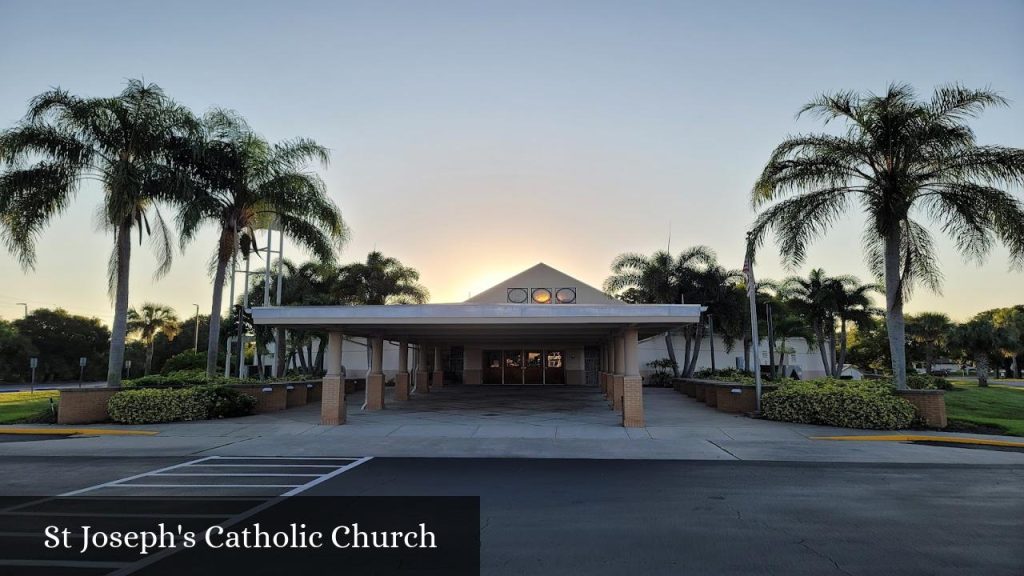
119 330
832 352
687 342
149 357
894 321
698 340
819 334
213 346
746 353
279 354
981 363
842 346
671 349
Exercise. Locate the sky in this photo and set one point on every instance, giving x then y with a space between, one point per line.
472 140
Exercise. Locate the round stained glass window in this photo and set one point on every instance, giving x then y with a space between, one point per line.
565 295
541 295
517 295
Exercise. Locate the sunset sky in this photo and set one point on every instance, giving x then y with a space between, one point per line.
474 139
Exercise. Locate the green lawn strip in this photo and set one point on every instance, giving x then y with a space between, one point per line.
996 406
24 406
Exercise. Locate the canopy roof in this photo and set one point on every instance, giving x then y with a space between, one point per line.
470 322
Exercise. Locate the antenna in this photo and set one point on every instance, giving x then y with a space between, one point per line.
669 247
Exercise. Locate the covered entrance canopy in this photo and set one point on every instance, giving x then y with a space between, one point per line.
611 330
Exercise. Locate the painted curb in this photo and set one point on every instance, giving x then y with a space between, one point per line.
912 438
74 431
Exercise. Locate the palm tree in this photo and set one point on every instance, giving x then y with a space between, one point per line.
247 184
852 301
929 330
813 297
150 320
126 144
378 281
978 339
900 158
656 279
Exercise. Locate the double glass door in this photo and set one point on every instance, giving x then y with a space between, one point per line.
525 366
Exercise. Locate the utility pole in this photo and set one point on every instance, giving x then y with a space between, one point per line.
711 328
25 306
197 327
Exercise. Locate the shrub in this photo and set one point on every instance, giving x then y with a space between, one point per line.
846 403
658 380
726 375
180 379
149 406
187 360
153 405
928 382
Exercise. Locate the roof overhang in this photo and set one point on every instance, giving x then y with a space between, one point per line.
454 323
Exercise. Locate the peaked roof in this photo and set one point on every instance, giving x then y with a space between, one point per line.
542 276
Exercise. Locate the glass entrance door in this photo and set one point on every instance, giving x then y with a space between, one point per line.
533 369
513 367
492 367
554 367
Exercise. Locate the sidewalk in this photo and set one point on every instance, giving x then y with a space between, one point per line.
450 424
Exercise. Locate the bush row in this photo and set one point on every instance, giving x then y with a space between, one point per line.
870 404
153 405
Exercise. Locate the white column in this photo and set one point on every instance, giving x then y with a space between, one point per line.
378 355
403 356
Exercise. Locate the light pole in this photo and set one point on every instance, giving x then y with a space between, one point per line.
197 327
25 306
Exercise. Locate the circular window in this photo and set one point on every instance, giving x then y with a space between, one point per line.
517 295
565 295
541 295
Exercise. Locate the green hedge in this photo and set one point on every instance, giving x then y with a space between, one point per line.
153 405
846 403
179 378
187 360
928 382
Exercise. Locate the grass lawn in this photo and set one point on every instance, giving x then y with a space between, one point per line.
21 406
995 406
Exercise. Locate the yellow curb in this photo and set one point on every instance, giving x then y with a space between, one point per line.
910 438
70 431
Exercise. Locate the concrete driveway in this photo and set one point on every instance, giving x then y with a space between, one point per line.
528 422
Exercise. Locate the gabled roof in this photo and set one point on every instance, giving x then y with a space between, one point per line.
543 276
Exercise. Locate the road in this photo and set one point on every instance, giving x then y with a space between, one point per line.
646 517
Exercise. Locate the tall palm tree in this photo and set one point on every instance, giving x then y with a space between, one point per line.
852 301
693 276
246 184
814 298
150 320
380 280
900 159
126 143
929 330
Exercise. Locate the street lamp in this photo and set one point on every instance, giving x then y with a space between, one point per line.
197 326
25 306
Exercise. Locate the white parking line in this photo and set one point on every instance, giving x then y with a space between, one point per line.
235 474
137 476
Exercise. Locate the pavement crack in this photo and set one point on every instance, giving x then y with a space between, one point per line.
804 544
715 444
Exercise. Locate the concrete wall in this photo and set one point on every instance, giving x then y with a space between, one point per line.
799 354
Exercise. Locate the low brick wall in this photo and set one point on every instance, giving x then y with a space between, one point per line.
930 406
698 391
314 391
84 406
296 395
711 395
269 397
739 399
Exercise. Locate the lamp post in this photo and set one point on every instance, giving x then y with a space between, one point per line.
197 327
25 306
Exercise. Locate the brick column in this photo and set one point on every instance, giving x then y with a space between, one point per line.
402 378
422 376
332 399
600 374
632 385
620 372
375 380
438 380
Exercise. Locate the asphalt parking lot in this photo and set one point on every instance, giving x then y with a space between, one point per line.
648 517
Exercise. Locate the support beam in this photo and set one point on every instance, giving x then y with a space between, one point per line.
402 378
422 375
632 384
375 380
438 380
620 372
332 403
